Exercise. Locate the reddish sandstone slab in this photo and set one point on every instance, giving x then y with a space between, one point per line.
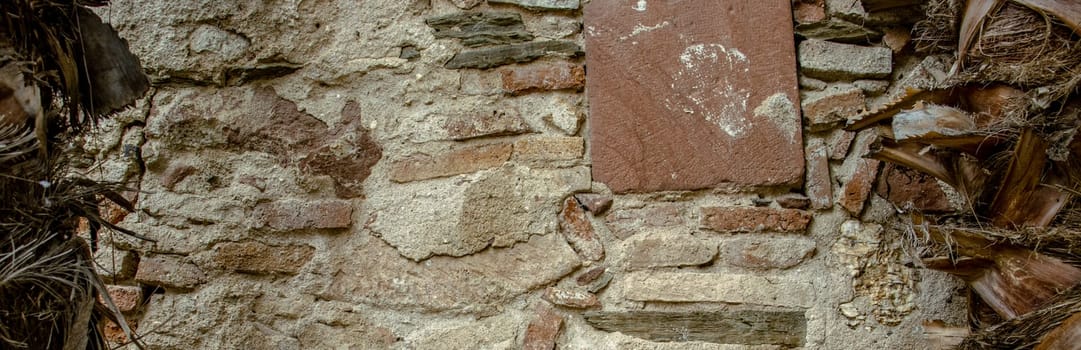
691 95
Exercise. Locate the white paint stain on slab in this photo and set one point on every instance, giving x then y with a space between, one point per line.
781 112
708 73
639 29
640 6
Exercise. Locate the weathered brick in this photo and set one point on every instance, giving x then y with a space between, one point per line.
596 204
542 4
113 333
459 161
793 201
764 252
809 11
499 122
295 214
752 219
662 250
480 28
514 53
859 186
626 222
169 272
578 231
542 332
832 106
717 287
660 129
258 258
836 61
126 298
570 298
907 188
550 76
549 148
839 143
819 183
591 275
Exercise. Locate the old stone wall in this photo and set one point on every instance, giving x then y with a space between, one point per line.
419 174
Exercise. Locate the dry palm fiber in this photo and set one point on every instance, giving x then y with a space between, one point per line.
1014 45
76 70
1025 332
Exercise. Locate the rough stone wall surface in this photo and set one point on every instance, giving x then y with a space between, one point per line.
416 174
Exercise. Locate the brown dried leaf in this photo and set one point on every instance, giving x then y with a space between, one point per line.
1067 11
1021 200
1065 336
971 21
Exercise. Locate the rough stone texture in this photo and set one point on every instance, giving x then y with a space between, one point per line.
496 332
553 76
576 228
908 188
809 11
289 215
570 298
836 61
480 28
767 252
455 162
542 4
754 219
836 29
836 104
718 80
481 124
662 250
839 143
855 191
115 264
752 327
627 222
872 87
496 208
126 298
373 274
542 332
515 53
717 287
169 272
549 148
819 183
793 201
596 204
896 39
259 258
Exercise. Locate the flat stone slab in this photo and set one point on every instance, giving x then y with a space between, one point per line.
751 327
682 287
694 95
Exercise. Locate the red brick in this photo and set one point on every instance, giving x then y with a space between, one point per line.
819 185
591 275
859 186
169 272
550 76
549 148
459 161
910 189
833 106
542 332
765 252
594 203
570 298
114 334
288 215
678 89
752 219
809 11
259 258
578 231
126 298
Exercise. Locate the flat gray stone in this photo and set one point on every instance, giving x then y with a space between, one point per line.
835 61
661 250
542 4
480 28
681 287
515 53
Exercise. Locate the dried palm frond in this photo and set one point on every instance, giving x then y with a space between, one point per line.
1026 331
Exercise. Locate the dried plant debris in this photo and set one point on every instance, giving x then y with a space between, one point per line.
61 70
